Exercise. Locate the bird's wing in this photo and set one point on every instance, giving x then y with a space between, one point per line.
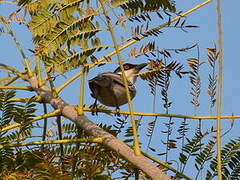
116 78
107 79
103 80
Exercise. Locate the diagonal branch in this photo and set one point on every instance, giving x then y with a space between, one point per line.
109 140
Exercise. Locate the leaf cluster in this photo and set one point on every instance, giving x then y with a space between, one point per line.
158 71
89 160
59 27
65 33
230 161
11 160
20 113
135 7
195 80
212 78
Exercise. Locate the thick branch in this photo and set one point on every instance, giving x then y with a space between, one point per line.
109 140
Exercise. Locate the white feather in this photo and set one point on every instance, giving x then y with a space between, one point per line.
130 75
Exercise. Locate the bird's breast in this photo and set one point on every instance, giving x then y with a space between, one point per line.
109 89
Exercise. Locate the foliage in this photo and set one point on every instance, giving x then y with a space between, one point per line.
230 161
212 58
70 34
22 113
6 108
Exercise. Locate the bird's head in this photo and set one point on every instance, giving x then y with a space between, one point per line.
130 70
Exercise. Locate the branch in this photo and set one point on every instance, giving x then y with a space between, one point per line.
9 68
63 141
178 173
20 49
10 2
52 114
57 112
219 91
33 99
163 115
27 88
92 129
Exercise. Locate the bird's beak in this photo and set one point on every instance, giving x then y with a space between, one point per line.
141 66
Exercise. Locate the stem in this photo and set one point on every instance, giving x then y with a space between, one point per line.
166 85
60 138
168 137
197 86
166 166
136 172
63 141
34 99
81 98
13 70
154 95
75 160
27 66
164 115
26 63
52 114
27 88
219 90
150 139
10 2
38 70
45 122
116 46
213 76
200 150
183 139
53 89
14 37
13 79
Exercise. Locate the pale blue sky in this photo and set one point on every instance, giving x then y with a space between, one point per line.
205 17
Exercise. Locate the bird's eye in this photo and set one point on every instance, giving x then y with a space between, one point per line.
126 67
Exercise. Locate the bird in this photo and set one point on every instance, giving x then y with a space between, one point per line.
108 88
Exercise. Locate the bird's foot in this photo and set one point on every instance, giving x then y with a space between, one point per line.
94 109
117 111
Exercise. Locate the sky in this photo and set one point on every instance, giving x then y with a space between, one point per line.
179 93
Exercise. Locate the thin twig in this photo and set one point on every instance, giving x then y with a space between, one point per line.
165 115
81 95
13 126
63 141
116 46
44 123
14 37
59 125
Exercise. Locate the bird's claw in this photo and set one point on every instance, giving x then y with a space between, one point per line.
94 109
117 111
